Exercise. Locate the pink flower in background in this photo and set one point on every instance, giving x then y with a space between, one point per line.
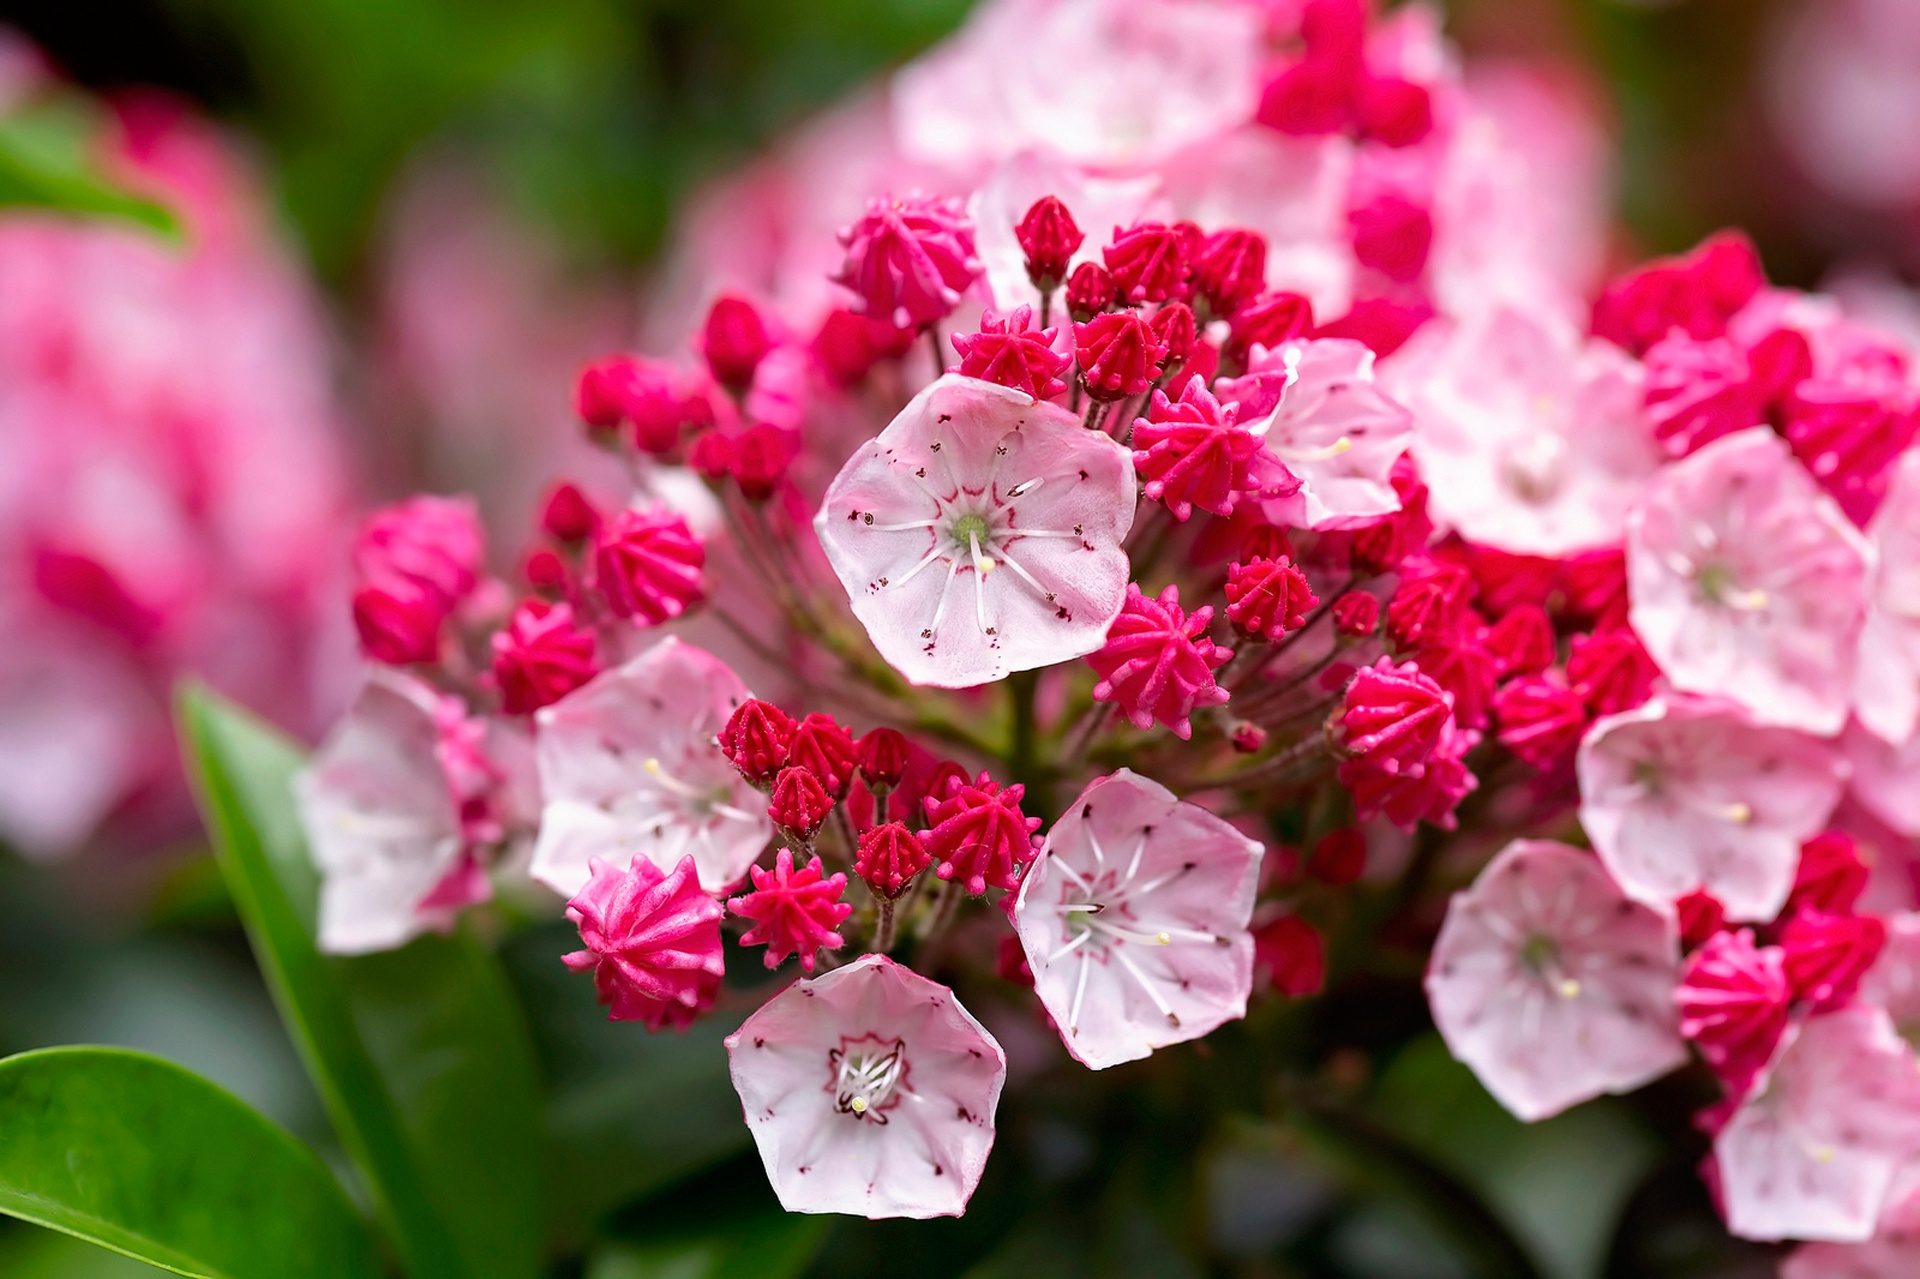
1552 985
1684 794
629 769
870 1091
980 534
652 941
1892 1253
1884 779
1531 439
1886 694
1134 920
909 259
1748 583
1812 1150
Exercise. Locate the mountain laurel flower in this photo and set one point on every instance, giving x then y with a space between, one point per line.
795 912
978 835
541 656
1090 290
1229 269
980 534
1049 238
869 1090
1886 689
629 770
1392 717
1134 920
799 804
1119 354
909 260
1356 614
1191 452
1733 998
1541 719
1553 986
652 941
1828 954
820 745
755 740
1684 794
1611 670
647 565
1148 261
1009 352
759 457
1267 599
1831 875
1158 662
883 756
889 858
734 340
1292 955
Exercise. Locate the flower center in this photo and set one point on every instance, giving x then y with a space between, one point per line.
1540 956
1719 584
866 1074
971 531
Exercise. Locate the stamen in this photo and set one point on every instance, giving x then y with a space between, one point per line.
671 784
914 572
1153 992
1079 940
1026 486
1079 994
982 564
940 609
899 528
1324 453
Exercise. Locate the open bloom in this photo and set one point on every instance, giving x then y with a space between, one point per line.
1685 794
1748 583
1886 695
870 1091
1134 920
1532 441
980 534
1812 1150
652 942
629 768
1552 985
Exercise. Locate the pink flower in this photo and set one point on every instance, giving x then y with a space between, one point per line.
1356 614
382 818
1551 985
1158 662
978 835
1193 453
1268 598
909 259
1333 429
1892 1253
1733 999
890 856
1748 583
541 656
1392 718
1886 695
652 942
1697 293
629 770
1532 440
1148 261
1119 354
1812 1150
647 564
980 534
1684 794
1049 238
1007 351
1428 791
1885 779
1430 603
1134 920
870 1091
1827 954
1851 432
795 911
1541 719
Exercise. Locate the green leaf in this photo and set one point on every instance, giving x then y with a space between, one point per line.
421 1055
46 163
137 1155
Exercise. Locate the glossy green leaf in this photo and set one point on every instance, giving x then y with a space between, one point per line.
46 162
140 1156
421 1055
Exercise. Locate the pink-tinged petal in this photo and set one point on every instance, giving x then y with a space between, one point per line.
980 534
1532 440
380 817
1685 794
1893 983
869 1091
1886 695
1812 1151
1885 779
629 767
1552 985
1748 583
1134 921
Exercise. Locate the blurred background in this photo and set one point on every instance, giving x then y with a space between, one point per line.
410 221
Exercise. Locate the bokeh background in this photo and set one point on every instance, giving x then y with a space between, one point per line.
460 200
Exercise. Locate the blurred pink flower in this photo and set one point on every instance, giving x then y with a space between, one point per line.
652 941
1886 695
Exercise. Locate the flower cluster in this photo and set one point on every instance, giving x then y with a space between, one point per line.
1139 520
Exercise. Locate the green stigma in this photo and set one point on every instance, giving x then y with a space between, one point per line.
969 529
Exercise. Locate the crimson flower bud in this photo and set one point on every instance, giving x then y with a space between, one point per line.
821 745
1356 614
1148 261
568 516
883 758
711 456
1831 875
1700 916
799 803
1293 954
546 572
1174 326
398 620
648 564
1119 354
1230 269
1826 955
1396 112
1249 737
890 856
605 389
759 459
1266 599
755 740
1339 857
1089 291
1049 237
734 341
1268 321
541 656
1392 235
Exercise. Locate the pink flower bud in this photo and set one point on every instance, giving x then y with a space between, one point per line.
1270 321
1293 954
1522 641
1158 662
733 341
1090 291
1697 293
711 456
1826 955
795 911
1268 598
1173 326
1395 112
1248 737
1733 1004
883 756
909 260
823 746
1393 717
398 621
978 834
1119 354
1340 857
1192 453
1148 261
434 542
756 739
1049 237
848 346
1430 603
1230 269
1611 670
568 516
652 942
541 656
1008 352
890 856
1356 614
1392 235
647 565
1700 915
800 803
1831 875
759 458
547 573
1541 719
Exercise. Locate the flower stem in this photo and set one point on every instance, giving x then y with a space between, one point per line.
883 930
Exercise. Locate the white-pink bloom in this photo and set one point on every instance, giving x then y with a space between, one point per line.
1748 583
629 767
1552 985
1134 921
1893 983
381 820
1530 438
1812 1150
1892 1253
1333 429
1886 685
1688 793
869 1091
980 534
1885 779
